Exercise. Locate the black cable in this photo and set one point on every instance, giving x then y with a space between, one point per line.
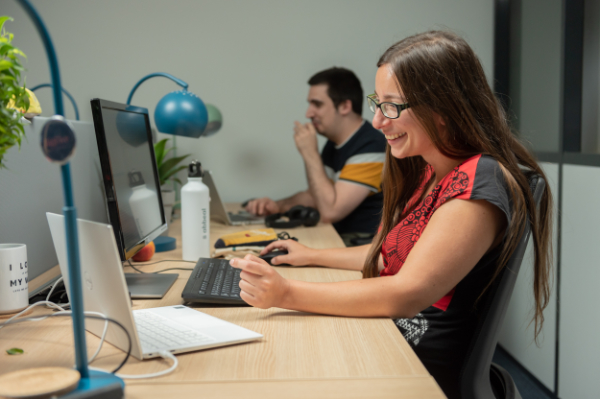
160 271
160 261
91 317
136 269
174 268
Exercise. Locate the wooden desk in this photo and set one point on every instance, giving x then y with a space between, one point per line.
301 355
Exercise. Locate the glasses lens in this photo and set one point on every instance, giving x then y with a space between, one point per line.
372 104
390 110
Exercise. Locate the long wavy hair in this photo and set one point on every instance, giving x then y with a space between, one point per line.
439 73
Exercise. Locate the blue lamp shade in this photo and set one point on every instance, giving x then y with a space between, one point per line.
181 113
215 120
132 127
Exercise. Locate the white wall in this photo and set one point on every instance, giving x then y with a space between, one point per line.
579 346
251 58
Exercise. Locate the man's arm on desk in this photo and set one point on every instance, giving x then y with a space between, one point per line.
267 206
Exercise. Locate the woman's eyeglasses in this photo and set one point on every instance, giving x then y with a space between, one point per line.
389 110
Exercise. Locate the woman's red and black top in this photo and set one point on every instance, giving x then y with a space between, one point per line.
440 334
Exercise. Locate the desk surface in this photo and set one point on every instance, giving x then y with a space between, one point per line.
301 355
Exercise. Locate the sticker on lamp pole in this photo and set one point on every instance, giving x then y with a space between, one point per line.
58 140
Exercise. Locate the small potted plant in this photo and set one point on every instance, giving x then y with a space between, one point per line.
167 172
14 99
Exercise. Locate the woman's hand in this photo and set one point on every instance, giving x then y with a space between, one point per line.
298 254
262 287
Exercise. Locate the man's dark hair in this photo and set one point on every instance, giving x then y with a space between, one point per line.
342 84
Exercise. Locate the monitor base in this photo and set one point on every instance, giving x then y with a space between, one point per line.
149 286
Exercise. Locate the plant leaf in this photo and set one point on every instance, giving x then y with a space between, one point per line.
159 151
172 172
3 19
15 351
5 64
169 164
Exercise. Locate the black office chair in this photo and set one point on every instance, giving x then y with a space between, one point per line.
480 378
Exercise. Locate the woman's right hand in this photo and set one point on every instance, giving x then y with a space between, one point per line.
298 254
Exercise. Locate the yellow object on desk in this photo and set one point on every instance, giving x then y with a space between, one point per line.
259 237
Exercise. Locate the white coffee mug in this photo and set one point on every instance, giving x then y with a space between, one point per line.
14 294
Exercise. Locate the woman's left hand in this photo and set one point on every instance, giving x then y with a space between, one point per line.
262 287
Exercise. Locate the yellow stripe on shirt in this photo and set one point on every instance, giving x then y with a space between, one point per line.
368 174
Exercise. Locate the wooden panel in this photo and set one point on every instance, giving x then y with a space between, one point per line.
422 387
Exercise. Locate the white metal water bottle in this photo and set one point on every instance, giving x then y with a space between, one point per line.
195 215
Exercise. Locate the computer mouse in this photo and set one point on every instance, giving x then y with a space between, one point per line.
270 255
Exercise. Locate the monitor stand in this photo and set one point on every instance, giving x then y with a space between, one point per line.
149 286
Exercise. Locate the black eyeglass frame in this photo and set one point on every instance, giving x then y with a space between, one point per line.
399 107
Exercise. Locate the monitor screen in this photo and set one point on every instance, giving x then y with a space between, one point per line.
129 172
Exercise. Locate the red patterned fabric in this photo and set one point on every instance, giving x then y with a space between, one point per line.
441 334
402 238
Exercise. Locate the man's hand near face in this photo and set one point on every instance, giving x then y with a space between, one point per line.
305 137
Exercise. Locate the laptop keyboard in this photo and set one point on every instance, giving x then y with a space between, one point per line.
158 333
213 281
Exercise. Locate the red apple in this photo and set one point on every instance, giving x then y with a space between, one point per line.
145 253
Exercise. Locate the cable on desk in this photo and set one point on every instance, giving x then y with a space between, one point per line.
165 355
164 260
64 305
174 268
160 271
68 313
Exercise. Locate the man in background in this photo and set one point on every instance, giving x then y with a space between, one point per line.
344 181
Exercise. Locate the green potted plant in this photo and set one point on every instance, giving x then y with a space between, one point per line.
167 172
14 101
14 98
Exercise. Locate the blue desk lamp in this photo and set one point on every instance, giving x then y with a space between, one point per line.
180 113
58 128
66 94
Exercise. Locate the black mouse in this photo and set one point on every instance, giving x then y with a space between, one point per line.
270 255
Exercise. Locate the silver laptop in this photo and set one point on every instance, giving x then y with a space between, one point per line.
176 329
219 212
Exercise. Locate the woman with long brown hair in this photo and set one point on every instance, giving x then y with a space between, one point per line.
456 200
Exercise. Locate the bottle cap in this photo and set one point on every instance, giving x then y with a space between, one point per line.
195 169
135 179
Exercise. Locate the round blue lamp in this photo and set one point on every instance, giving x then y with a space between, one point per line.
181 113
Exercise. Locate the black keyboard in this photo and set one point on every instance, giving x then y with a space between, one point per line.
213 281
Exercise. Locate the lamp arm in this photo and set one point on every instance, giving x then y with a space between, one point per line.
69 209
66 94
52 60
152 75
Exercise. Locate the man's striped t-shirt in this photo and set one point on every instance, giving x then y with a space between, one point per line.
359 160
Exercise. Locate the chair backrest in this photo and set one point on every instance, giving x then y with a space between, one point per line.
475 375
